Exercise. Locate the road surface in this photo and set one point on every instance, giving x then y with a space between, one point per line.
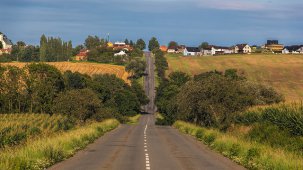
149 83
145 146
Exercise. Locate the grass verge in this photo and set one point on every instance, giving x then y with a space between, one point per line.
252 155
44 152
133 120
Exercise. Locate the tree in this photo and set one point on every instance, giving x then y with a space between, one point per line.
141 44
76 80
126 41
1 45
77 49
92 42
136 68
161 63
43 84
21 44
172 44
81 104
131 43
127 103
140 93
28 54
153 44
179 78
204 45
43 48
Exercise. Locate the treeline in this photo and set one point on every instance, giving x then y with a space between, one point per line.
54 49
50 50
41 88
210 99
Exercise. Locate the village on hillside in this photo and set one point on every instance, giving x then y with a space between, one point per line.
272 46
121 48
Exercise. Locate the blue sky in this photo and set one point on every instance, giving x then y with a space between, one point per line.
190 22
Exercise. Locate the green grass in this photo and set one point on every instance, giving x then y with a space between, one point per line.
283 72
252 155
46 151
133 120
16 129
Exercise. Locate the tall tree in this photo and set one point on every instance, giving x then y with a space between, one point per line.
131 43
141 44
77 49
153 44
92 42
126 41
43 48
172 44
204 45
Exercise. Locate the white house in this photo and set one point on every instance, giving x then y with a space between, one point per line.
300 50
242 48
294 49
172 50
191 51
6 43
121 53
210 50
216 50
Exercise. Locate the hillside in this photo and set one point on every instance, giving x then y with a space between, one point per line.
85 68
283 72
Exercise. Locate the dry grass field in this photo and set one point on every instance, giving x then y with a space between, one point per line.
283 72
85 68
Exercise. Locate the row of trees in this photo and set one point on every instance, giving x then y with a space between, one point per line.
54 49
211 98
41 88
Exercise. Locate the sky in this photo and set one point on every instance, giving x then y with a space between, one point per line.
189 22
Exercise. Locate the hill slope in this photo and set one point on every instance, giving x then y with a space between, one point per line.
283 72
85 68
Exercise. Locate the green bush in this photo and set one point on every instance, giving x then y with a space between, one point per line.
199 134
209 138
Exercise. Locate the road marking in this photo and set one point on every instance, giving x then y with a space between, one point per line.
147 163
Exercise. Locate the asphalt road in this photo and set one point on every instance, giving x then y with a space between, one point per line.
146 146
149 83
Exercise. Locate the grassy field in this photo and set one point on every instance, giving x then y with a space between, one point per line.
85 68
37 141
16 129
283 72
250 154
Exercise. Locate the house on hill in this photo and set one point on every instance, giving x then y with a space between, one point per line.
181 49
82 55
274 46
172 50
242 49
216 50
294 49
6 44
122 46
163 48
192 51
121 53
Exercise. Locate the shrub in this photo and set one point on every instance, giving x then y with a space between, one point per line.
199 134
209 138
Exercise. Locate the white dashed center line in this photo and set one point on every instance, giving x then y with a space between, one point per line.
147 164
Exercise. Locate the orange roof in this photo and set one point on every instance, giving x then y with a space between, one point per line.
163 48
